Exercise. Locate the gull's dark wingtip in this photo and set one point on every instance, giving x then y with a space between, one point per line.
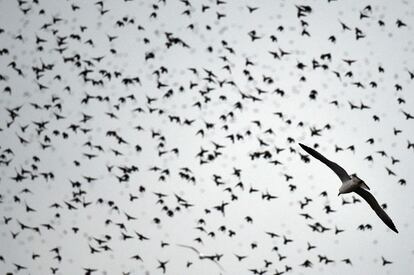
391 225
306 148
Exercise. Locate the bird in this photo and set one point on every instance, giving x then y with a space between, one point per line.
129 131
352 183
162 265
202 256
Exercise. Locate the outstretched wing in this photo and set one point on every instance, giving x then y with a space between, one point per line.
366 195
213 258
339 171
189 247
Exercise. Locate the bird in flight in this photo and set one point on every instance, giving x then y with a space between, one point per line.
201 256
351 183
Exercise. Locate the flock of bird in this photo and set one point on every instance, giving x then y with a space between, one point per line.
167 137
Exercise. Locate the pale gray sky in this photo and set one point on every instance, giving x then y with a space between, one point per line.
385 46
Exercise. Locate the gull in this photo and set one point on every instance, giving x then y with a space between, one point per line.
201 256
351 183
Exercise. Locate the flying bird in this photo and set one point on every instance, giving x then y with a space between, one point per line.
201 256
351 183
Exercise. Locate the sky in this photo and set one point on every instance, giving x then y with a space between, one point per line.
196 61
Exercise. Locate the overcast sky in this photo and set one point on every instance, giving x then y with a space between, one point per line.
207 42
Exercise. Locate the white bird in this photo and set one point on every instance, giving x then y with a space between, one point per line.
201 256
351 183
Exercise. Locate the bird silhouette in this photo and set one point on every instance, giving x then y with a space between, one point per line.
353 184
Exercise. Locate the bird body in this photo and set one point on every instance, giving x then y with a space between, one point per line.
351 185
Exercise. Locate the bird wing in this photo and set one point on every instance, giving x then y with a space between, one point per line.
190 247
212 258
219 265
366 195
339 171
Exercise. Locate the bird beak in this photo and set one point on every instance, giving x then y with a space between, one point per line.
339 194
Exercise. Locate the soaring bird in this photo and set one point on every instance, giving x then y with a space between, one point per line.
351 183
201 256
